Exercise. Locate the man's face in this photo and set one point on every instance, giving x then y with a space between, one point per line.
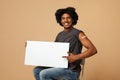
66 21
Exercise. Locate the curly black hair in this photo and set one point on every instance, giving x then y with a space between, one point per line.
68 10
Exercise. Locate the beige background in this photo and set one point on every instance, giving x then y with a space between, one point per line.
22 20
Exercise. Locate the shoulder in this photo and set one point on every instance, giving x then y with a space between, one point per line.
77 31
61 33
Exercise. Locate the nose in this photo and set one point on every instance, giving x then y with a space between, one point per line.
65 19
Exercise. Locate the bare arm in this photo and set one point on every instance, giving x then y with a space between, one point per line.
91 50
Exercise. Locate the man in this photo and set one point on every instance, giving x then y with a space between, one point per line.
67 18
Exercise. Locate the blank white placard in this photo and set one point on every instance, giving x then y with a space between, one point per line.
49 54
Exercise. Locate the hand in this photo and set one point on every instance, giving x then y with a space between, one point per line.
71 58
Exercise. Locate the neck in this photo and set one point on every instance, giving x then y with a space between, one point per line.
68 29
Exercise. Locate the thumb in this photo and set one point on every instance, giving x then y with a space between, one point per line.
64 56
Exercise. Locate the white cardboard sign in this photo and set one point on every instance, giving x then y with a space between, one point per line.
49 54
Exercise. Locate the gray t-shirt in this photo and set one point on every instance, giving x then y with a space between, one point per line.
71 36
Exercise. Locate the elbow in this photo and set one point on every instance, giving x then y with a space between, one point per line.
94 51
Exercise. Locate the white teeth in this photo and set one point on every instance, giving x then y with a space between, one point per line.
66 23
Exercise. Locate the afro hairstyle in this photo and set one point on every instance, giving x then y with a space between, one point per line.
68 10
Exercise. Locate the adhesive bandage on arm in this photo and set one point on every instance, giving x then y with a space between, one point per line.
83 37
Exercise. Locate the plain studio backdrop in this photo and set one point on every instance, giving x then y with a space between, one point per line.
22 20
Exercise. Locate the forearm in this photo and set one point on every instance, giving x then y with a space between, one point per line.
87 53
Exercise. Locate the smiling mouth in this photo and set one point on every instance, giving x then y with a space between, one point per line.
66 24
